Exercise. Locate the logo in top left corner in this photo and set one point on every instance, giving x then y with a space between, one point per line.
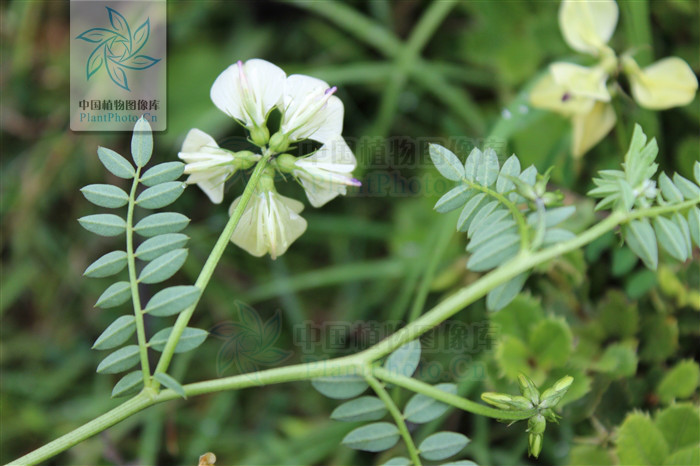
119 50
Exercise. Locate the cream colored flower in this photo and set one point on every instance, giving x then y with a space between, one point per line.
269 224
591 127
588 25
310 110
248 91
327 172
667 83
208 165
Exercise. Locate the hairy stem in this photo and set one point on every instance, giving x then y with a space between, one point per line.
135 297
359 362
398 417
448 398
209 266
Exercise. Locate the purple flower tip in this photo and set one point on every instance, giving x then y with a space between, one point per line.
331 90
356 182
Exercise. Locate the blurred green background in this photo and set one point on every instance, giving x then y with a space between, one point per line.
407 71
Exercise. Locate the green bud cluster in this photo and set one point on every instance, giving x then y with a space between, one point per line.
532 399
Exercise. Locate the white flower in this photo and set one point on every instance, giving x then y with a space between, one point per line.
269 224
587 26
310 110
208 165
248 91
667 83
327 172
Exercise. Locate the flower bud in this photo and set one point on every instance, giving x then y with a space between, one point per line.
534 446
536 424
245 159
553 395
279 142
507 402
259 135
286 163
528 389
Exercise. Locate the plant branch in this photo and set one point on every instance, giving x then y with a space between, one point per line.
359 362
398 417
135 297
209 266
448 398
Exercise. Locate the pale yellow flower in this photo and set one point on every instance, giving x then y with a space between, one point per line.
667 83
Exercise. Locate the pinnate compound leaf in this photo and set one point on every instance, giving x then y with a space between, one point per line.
398 461
141 142
378 436
640 237
115 163
510 169
671 238
340 387
161 195
163 267
117 333
421 408
453 199
470 209
105 195
487 170
107 265
503 294
161 223
117 293
442 445
640 442
689 189
446 162
162 173
171 383
103 224
189 340
494 252
128 385
405 359
159 245
669 190
120 360
365 408
172 300
680 382
680 425
694 224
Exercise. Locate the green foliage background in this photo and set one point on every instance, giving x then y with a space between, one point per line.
628 335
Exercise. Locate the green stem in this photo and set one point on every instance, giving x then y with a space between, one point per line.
358 363
135 298
209 266
448 398
398 417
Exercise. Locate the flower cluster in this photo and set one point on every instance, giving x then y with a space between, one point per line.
530 399
248 92
584 93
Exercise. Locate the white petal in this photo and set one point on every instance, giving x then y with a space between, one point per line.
196 139
326 173
269 224
212 185
247 233
251 99
587 25
664 84
590 128
549 95
581 80
308 112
